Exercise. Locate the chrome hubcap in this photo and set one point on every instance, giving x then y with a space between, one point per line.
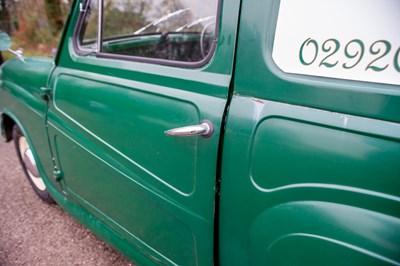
30 164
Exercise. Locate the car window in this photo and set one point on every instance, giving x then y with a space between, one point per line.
89 31
175 30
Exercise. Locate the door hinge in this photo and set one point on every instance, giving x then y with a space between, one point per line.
57 175
45 93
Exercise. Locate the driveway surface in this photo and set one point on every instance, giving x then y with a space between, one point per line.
35 233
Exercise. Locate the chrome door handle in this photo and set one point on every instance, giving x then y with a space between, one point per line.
205 129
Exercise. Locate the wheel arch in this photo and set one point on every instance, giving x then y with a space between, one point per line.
6 124
8 120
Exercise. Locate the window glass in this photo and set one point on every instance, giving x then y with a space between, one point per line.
88 33
178 30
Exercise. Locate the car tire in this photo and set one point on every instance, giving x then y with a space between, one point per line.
28 163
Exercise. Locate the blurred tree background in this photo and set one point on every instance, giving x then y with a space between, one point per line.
34 25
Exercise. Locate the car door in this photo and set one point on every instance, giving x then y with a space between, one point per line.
128 72
310 165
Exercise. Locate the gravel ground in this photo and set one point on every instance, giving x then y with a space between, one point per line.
35 233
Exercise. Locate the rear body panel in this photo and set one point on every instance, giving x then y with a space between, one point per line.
310 169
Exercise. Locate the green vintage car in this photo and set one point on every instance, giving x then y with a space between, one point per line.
236 132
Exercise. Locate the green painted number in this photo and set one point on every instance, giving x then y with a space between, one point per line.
359 53
327 47
355 49
375 51
307 42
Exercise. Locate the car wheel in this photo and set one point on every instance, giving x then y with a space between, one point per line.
29 165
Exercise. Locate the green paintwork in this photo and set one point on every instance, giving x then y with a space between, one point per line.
309 167
20 101
107 120
322 178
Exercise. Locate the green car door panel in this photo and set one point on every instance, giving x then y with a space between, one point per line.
130 166
107 120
